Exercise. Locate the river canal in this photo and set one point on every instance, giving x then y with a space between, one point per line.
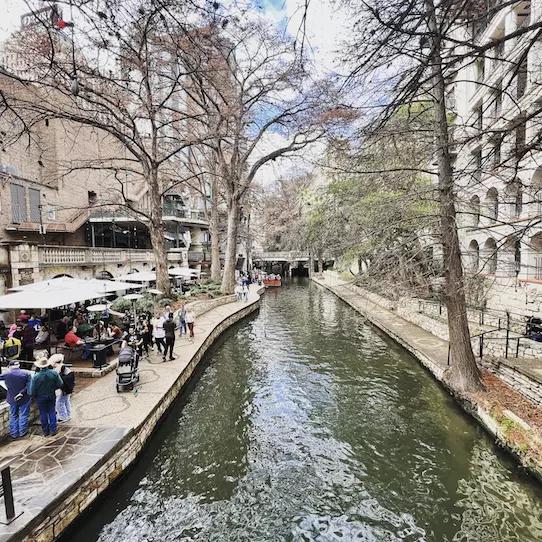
308 424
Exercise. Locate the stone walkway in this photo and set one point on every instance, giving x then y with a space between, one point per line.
45 467
431 350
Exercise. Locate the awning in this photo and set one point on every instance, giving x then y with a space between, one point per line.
183 272
146 276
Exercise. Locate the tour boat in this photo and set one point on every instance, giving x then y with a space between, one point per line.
272 281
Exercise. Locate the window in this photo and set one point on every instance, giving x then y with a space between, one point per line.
496 153
479 118
34 201
497 101
51 212
92 197
18 203
521 139
480 68
477 166
492 204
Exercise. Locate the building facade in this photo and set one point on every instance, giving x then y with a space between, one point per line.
496 103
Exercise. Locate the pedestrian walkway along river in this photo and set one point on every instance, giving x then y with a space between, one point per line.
308 424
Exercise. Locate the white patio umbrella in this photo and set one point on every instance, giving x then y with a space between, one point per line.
67 283
183 272
146 276
154 291
100 307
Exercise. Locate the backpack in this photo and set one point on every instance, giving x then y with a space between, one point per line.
12 348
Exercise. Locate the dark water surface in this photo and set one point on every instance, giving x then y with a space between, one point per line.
307 424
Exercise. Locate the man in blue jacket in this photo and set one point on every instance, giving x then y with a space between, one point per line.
43 386
17 381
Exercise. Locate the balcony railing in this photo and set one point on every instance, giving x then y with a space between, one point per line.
53 255
190 215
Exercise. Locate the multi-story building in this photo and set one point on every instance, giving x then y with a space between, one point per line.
497 101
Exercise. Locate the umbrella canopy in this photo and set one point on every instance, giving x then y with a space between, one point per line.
97 308
138 277
47 299
154 291
68 283
183 272
133 297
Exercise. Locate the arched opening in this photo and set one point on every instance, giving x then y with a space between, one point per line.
132 271
536 245
512 257
62 275
536 191
492 204
514 198
490 256
104 275
474 256
475 211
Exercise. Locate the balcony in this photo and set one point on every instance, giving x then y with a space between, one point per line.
51 256
170 212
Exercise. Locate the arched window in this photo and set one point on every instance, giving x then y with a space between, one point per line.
536 245
514 198
474 256
492 204
512 262
536 191
475 210
490 256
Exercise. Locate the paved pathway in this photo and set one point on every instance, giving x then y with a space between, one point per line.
43 467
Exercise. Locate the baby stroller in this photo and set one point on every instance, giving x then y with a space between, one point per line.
127 369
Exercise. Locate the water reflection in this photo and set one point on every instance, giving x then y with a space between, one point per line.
308 424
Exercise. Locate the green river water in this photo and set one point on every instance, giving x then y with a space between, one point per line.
306 423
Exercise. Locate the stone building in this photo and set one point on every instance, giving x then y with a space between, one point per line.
496 101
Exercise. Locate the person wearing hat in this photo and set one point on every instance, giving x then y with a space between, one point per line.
63 403
17 381
43 387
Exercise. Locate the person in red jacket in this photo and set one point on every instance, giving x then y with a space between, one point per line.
73 341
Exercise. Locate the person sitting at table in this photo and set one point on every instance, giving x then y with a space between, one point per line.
35 322
101 331
116 332
133 340
73 341
13 328
62 328
43 336
23 316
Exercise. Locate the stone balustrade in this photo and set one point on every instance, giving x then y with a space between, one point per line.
57 255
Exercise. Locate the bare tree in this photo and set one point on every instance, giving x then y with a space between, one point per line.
117 69
259 92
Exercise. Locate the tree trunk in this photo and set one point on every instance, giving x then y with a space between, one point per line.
156 231
213 228
464 375
311 263
320 263
228 279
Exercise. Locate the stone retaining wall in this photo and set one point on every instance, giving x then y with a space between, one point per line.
77 499
518 381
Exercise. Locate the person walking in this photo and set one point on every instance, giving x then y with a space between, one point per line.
63 401
245 292
146 336
159 333
28 341
17 381
182 319
43 387
169 330
191 320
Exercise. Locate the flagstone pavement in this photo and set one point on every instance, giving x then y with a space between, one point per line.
44 467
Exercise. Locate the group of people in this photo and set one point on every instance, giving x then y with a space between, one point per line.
160 331
51 376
